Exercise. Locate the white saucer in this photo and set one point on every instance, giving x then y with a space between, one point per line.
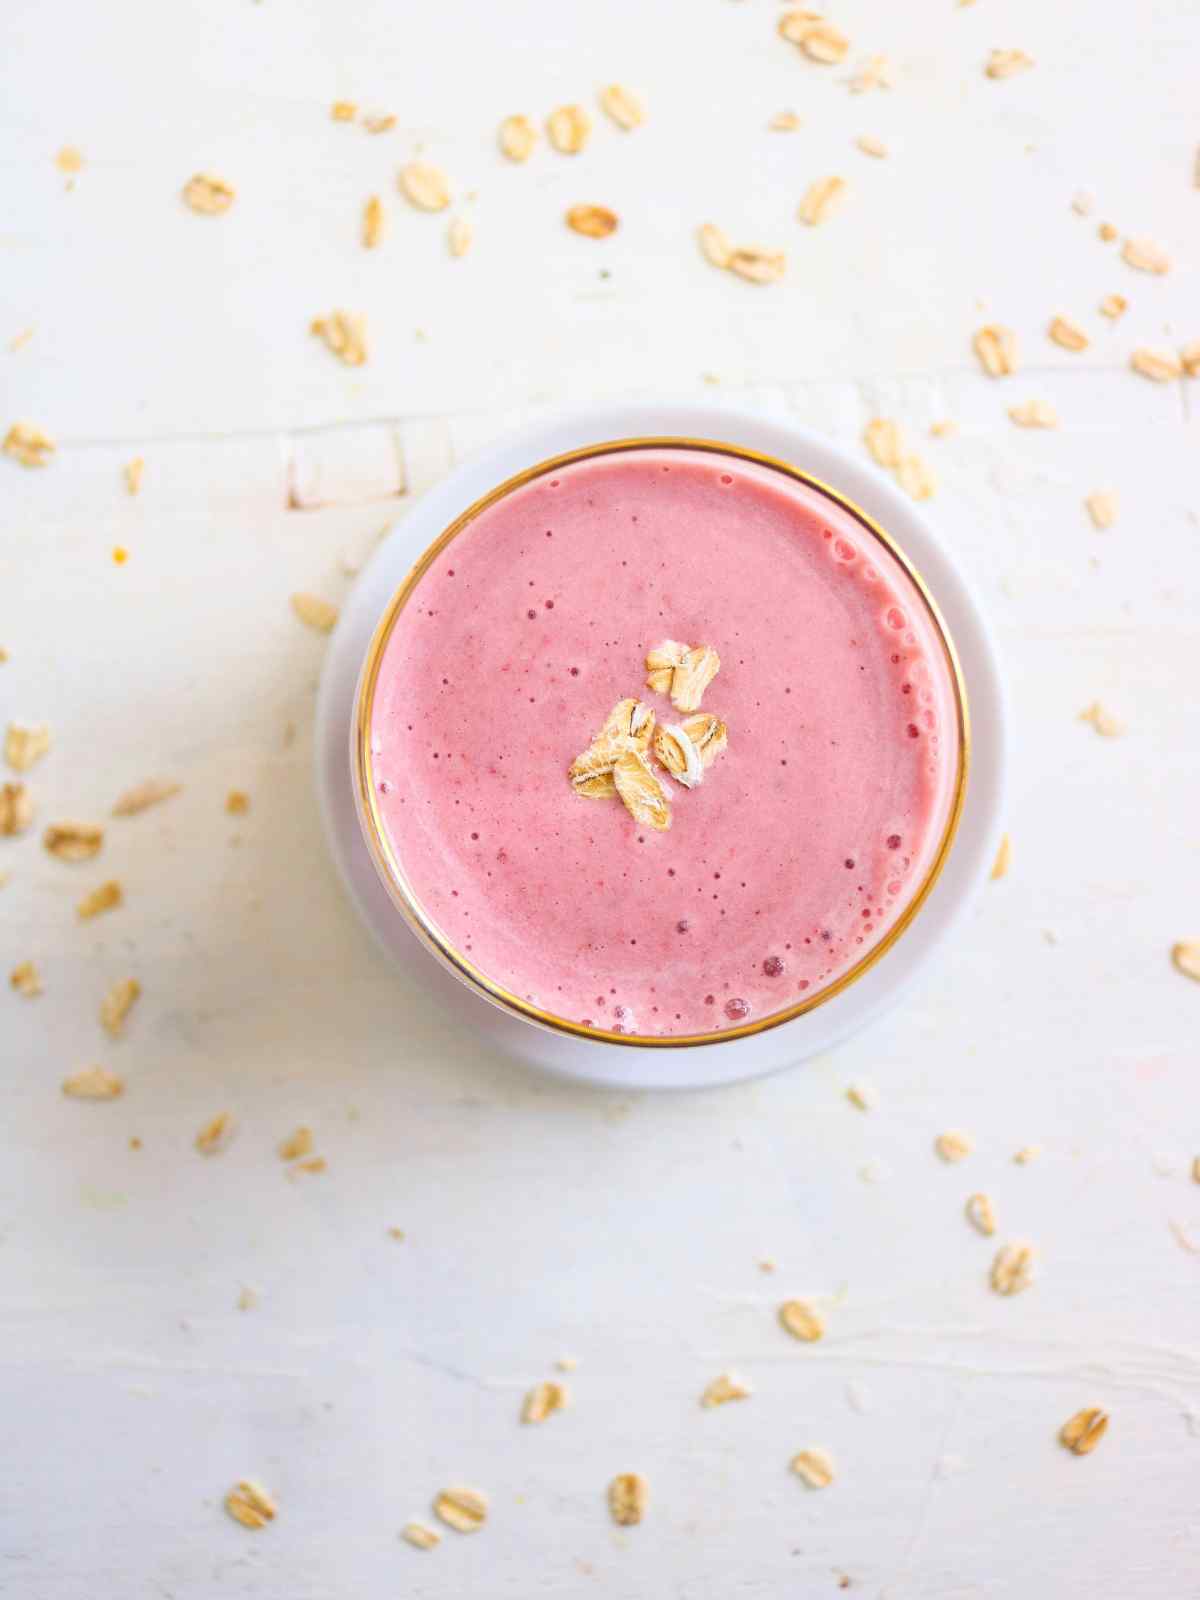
628 1067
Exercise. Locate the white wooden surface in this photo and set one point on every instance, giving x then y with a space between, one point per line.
542 1222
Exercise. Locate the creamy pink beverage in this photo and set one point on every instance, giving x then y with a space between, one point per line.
809 836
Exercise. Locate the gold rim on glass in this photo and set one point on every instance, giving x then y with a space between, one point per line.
388 864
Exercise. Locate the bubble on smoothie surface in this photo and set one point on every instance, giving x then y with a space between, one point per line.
773 966
737 1009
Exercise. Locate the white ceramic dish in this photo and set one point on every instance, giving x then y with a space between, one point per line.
626 1066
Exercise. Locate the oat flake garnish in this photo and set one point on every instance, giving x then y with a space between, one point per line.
1105 724
822 42
784 122
1107 232
543 1400
142 796
419 1536
814 1468
885 441
372 223
16 808
1102 507
73 841
871 146
628 1495
132 472
459 236
821 199
1012 1270
1146 256
517 137
954 1145
424 186
464 1510
250 1504
568 129
24 746
215 1135
343 111
26 980
382 123
1068 334
93 1083
117 1004
723 1389
916 478
675 750
345 334
296 1144
314 612
594 222
1003 858
1154 364
981 1215
1186 957
623 107
209 196
628 726
996 348
28 445
1034 414
1006 63
1081 1433
312 1165
799 1319
757 265
645 798
682 671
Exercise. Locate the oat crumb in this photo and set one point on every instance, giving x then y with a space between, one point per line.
237 802
464 1510
628 1494
723 1389
26 980
420 1537
1105 724
1102 507
215 1134
28 445
543 1400
250 1504
1081 1433
299 1143
1003 858
814 1468
93 1083
954 1145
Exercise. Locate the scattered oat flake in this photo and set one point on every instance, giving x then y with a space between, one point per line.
69 159
152 792
566 1363
543 1400
871 146
1068 334
623 107
691 674
215 1135
723 1389
1026 1154
568 129
861 1096
380 123
104 898
207 195
24 746
1034 414
26 980
250 1504
1146 256
1107 232
424 186
643 794
1189 356
93 1083
916 478
343 111
1012 1270
1105 724
517 137
821 199
1186 957
954 1145
981 1215
1083 203
885 441
28 445
715 245
876 73
628 1494
315 612
312 1166
237 802
299 1143
459 236
419 1536
132 472
784 122
117 1004
996 348
464 1510
1183 1238
1081 1433
16 808
345 334
73 841
594 222
372 223
1006 63
1154 364
822 42
799 1319
1003 858
814 1467
757 265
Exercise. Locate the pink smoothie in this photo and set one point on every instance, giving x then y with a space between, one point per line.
808 837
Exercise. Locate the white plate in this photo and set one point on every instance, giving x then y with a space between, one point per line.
628 1067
